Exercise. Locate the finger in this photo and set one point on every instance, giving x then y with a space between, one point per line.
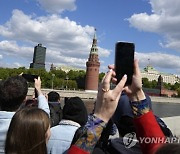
114 74
103 78
136 67
127 90
21 74
107 80
110 70
114 80
111 66
119 88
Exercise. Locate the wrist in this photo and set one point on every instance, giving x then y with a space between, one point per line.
39 92
137 96
101 116
140 107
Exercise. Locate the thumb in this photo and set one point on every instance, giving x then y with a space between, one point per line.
119 88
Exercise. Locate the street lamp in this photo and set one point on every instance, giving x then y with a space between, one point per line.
67 78
52 84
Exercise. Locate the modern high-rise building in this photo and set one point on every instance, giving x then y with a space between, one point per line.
39 57
92 68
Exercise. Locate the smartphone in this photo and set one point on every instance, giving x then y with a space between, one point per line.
35 93
124 61
29 77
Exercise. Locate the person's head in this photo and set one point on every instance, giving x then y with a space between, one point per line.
75 110
169 148
13 92
28 132
53 96
31 103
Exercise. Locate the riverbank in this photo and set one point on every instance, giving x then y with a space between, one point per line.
165 99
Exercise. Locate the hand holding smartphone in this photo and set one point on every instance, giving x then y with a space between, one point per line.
124 61
29 77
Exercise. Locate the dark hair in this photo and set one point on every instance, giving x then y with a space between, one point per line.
13 91
75 110
31 103
27 132
53 96
169 148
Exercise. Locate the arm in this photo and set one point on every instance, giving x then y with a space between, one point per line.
144 120
106 104
42 101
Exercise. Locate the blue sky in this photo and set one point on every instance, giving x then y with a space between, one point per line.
66 28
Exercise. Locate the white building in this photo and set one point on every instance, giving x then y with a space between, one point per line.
152 74
65 68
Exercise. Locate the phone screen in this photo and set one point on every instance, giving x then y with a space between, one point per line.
124 61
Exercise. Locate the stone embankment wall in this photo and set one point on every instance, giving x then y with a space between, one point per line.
92 95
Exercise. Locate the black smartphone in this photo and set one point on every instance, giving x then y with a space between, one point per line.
29 77
124 61
35 93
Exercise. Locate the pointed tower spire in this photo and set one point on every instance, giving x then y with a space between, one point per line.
94 34
92 67
94 49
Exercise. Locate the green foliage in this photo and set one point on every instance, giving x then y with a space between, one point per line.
146 83
59 73
178 90
101 75
70 80
167 86
176 86
76 79
153 85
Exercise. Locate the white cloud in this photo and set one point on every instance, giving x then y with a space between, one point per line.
160 60
165 20
10 65
10 48
16 64
65 40
57 6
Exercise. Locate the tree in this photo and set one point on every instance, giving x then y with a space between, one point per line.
154 84
178 90
101 75
146 83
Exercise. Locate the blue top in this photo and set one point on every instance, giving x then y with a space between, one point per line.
61 137
5 119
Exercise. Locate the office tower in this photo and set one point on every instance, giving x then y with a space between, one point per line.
39 57
92 68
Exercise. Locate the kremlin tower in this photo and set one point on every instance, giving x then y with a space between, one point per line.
92 68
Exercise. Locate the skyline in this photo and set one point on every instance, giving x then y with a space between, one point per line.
66 29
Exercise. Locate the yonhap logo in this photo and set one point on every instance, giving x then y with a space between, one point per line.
130 140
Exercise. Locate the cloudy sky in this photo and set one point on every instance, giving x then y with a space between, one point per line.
66 29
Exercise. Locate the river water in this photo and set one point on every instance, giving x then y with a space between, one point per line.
159 109
166 109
